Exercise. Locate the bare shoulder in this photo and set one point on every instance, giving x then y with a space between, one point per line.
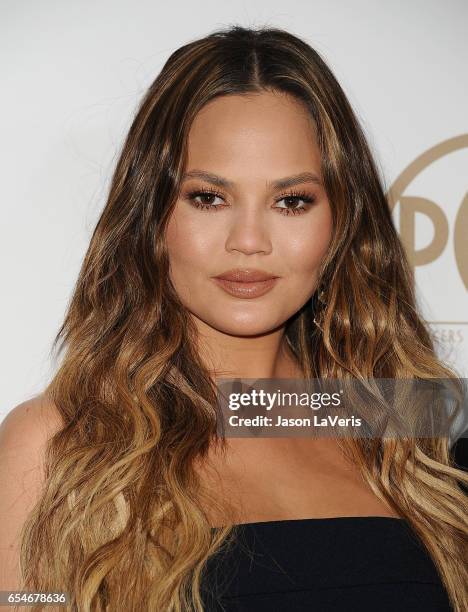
34 420
24 434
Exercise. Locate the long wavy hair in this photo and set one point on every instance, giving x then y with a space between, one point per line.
120 524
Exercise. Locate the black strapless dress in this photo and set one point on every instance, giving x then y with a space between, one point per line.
358 563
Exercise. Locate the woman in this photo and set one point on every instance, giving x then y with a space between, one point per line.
244 155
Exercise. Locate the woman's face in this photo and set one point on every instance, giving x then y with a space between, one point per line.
235 217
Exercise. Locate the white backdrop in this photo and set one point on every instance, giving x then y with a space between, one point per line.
74 72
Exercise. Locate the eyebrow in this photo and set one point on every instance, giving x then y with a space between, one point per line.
283 183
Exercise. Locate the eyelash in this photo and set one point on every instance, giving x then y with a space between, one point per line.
299 195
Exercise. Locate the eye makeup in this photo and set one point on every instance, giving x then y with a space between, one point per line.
194 196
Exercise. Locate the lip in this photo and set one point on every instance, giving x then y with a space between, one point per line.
246 284
245 275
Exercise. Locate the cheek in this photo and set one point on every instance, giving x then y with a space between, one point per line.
190 248
303 251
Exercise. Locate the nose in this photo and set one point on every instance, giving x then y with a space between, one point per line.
248 230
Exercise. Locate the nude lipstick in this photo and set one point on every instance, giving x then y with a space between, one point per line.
246 283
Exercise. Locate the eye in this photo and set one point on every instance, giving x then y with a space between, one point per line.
295 196
204 194
205 198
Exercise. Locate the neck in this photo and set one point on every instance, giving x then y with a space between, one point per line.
262 356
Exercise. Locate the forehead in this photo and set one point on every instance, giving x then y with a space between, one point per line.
262 133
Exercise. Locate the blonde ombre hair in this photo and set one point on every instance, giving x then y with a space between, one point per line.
120 525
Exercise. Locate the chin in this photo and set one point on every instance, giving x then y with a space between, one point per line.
245 326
